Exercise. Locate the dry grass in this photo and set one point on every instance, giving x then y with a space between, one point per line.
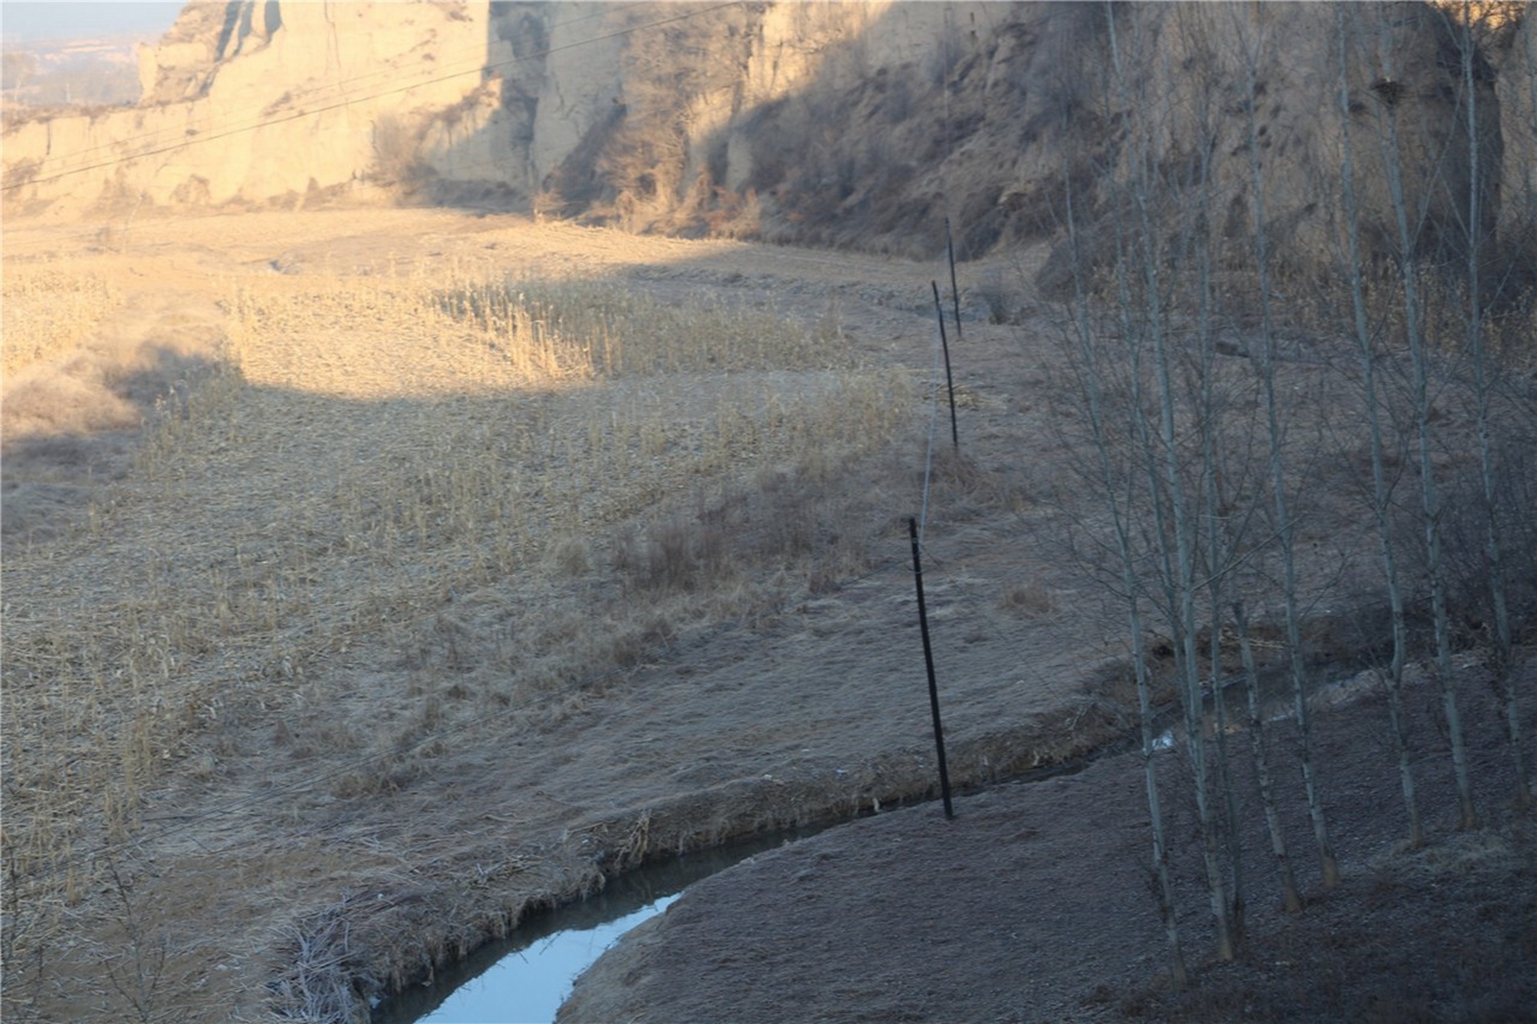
1029 598
394 471
47 312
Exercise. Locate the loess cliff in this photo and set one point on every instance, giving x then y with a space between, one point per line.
857 125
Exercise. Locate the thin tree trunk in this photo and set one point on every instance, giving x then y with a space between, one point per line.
1093 393
1224 775
1261 750
1494 563
1167 903
1284 528
1220 546
1381 496
1430 500
1168 492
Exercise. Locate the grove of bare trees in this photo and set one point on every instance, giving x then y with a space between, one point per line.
1304 364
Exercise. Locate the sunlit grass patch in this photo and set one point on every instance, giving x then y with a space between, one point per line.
47 312
407 336
613 330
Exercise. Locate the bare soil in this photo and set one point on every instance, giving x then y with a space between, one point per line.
327 807
1034 904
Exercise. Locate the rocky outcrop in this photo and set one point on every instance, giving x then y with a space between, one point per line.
844 124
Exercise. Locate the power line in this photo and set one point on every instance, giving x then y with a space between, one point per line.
347 101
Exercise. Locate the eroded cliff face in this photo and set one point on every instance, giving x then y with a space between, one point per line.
1515 62
845 124
260 101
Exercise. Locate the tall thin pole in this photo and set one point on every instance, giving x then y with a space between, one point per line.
955 291
939 310
928 661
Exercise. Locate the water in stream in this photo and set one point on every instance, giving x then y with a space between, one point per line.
524 978
530 984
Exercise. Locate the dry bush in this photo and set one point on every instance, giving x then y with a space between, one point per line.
397 146
1465 521
968 486
1115 679
1028 599
322 981
609 330
680 555
571 555
638 638
1002 303
734 215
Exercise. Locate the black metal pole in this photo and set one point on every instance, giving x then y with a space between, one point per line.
928 661
955 291
955 433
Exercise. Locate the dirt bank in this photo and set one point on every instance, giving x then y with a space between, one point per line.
1033 904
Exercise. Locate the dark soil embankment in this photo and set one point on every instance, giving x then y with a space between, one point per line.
1033 904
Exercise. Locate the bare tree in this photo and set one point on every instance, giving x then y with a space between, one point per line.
1477 243
1145 285
1285 527
1105 385
1408 223
1117 493
1381 488
1261 751
16 67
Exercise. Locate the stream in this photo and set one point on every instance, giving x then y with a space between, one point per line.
524 978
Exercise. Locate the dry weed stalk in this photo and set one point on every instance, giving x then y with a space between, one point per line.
320 983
